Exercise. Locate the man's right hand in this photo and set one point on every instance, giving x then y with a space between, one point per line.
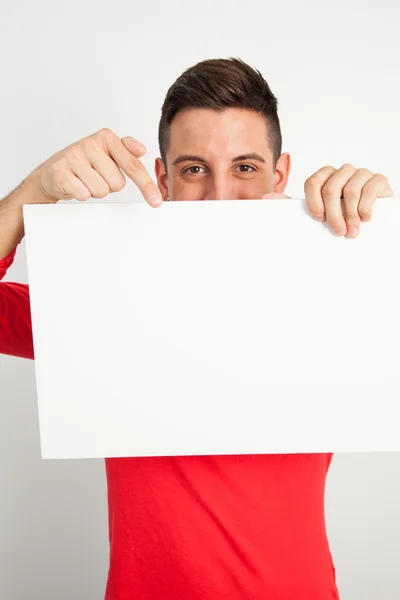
90 168
94 167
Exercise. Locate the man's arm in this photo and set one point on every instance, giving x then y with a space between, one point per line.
15 315
11 218
91 167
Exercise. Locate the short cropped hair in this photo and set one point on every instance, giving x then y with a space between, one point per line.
219 84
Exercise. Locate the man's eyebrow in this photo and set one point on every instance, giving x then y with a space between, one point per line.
188 157
200 159
251 156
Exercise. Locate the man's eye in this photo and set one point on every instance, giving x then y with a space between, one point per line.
246 168
193 170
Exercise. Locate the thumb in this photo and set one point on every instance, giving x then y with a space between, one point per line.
387 193
134 146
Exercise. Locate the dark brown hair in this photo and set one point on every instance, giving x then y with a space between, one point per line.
218 84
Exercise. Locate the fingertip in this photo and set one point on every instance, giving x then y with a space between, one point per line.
156 200
352 232
339 231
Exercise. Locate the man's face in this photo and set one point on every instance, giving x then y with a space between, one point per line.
220 156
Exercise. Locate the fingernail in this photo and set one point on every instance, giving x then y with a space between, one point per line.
156 199
319 217
352 232
337 231
132 139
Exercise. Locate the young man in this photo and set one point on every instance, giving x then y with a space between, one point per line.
202 527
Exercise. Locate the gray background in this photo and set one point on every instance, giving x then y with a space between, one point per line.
69 69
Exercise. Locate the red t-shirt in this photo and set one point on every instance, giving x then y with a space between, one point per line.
248 527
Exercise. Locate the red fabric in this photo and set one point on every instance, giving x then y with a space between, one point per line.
205 527
15 315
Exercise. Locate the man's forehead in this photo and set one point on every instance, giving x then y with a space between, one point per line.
236 131
197 119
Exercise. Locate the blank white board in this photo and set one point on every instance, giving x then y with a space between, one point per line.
227 327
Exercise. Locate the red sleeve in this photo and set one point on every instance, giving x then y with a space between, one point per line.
15 315
328 460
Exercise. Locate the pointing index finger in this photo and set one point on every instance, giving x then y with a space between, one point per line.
134 169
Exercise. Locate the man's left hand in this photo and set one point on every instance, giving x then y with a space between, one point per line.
344 197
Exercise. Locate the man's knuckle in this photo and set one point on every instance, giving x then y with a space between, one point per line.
135 166
381 178
311 181
73 155
328 191
58 170
366 215
348 167
351 192
118 185
90 143
106 132
104 137
57 166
